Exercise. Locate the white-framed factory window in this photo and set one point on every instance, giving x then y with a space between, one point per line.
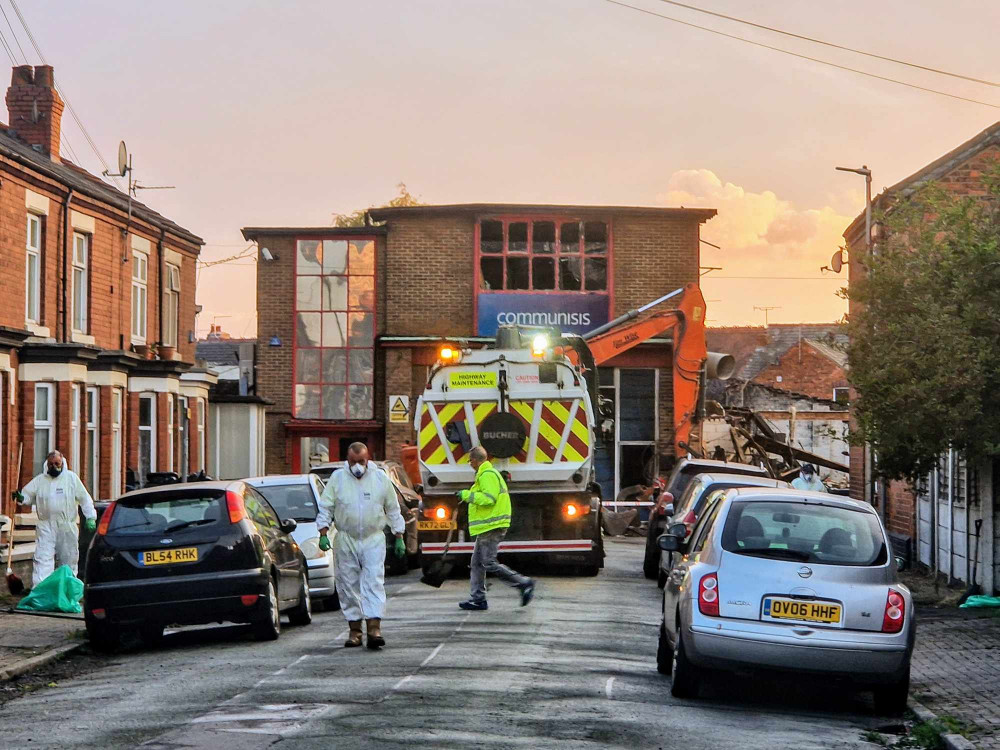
33 271
140 277
147 436
171 305
44 424
81 281
93 446
170 432
116 443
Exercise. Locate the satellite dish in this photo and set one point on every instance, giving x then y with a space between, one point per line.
122 158
837 261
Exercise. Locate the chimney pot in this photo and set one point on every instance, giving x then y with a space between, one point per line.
22 75
35 108
44 76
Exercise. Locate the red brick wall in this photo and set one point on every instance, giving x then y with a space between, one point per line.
652 256
804 370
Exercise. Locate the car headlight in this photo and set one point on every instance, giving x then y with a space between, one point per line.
310 548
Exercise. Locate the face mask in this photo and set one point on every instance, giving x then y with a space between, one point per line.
54 471
358 470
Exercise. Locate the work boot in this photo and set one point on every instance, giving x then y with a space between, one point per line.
375 639
527 592
474 606
354 639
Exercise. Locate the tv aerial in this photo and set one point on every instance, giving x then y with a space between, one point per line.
125 170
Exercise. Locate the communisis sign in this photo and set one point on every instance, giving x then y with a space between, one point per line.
570 313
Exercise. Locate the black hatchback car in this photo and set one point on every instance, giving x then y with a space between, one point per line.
190 554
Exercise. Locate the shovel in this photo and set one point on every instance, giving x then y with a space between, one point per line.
14 584
974 588
439 571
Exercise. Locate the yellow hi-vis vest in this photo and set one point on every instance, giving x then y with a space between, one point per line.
489 506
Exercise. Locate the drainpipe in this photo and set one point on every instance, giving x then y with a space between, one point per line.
65 268
951 516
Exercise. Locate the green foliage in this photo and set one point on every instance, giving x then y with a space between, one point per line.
357 218
925 333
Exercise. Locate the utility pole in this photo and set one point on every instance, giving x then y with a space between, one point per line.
766 310
867 174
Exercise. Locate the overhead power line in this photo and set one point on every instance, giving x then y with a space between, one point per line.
830 44
803 57
16 40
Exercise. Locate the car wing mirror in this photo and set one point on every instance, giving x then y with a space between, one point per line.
678 530
668 543
901 564
288 525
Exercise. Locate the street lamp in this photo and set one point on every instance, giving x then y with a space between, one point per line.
867 173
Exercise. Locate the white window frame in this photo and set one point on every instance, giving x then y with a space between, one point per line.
81 264
94 439
201 434
170 432
33 253
151 429
117 399
184 433
74 427
140 300
842 388
47 425
171 305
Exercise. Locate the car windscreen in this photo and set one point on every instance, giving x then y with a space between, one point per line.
291 501
804 532
167 512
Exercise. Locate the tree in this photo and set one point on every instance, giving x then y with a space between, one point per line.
924 348
357 218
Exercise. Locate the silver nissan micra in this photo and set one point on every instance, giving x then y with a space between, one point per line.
791 581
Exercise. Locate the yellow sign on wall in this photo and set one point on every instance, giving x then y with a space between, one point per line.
399 409
478 379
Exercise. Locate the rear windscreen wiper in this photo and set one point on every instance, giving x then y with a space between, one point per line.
185 524
792 554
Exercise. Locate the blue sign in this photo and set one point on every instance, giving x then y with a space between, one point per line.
570 313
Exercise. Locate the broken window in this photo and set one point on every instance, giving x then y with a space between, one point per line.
491 237
569 274
569 237
543 273
595 237
543 237
517 273
595 271
491 273
517 237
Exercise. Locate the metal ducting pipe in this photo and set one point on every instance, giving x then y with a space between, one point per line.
720 366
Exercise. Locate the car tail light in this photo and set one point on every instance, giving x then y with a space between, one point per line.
99 614
437 513
234 504
708 595
102 527
249 600
895 612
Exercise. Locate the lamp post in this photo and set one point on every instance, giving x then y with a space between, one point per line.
867 173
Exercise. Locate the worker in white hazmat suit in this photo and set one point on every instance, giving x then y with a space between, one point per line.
56 493
807 480
360 500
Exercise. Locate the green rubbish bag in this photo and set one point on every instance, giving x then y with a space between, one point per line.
981 601
60 592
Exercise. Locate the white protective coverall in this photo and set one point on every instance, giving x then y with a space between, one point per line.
815 484
360 510
57 533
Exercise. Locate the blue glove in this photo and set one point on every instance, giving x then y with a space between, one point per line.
91 524
400 548
324 543
465 495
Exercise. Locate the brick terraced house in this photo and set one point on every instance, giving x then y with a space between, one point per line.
97 314
349 320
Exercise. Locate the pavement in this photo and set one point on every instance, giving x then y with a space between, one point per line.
574 669
28 641
956 670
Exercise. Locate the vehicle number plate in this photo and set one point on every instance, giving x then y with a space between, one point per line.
791 609
167 556
436 525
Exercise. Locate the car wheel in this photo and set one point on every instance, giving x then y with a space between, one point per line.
268 626
303 613
664 654
684 675
661 578
651 560
890 700
332 603
152 634
103 638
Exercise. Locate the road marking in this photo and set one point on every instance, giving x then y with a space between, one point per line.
426 661
434 653
607 687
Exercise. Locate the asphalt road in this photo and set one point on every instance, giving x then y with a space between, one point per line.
574 669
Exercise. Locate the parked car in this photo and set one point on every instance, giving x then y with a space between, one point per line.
188 554
409 506
684 471
689 507
296 496
789 581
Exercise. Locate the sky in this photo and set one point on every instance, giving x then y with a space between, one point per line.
286 113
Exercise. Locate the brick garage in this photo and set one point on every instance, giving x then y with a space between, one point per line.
436 277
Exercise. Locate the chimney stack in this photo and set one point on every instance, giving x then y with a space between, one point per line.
35 109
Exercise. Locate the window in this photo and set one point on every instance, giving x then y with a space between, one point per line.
201 434
170 432
335 329
171 305
183 431
703 531
147 436
292 501
33 271
842 395
75 428
567 255
81 282
116 443
140 276
93 447
44 423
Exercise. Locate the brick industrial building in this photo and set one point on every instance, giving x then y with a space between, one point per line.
349 319
95 283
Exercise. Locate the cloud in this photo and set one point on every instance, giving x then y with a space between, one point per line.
762 235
